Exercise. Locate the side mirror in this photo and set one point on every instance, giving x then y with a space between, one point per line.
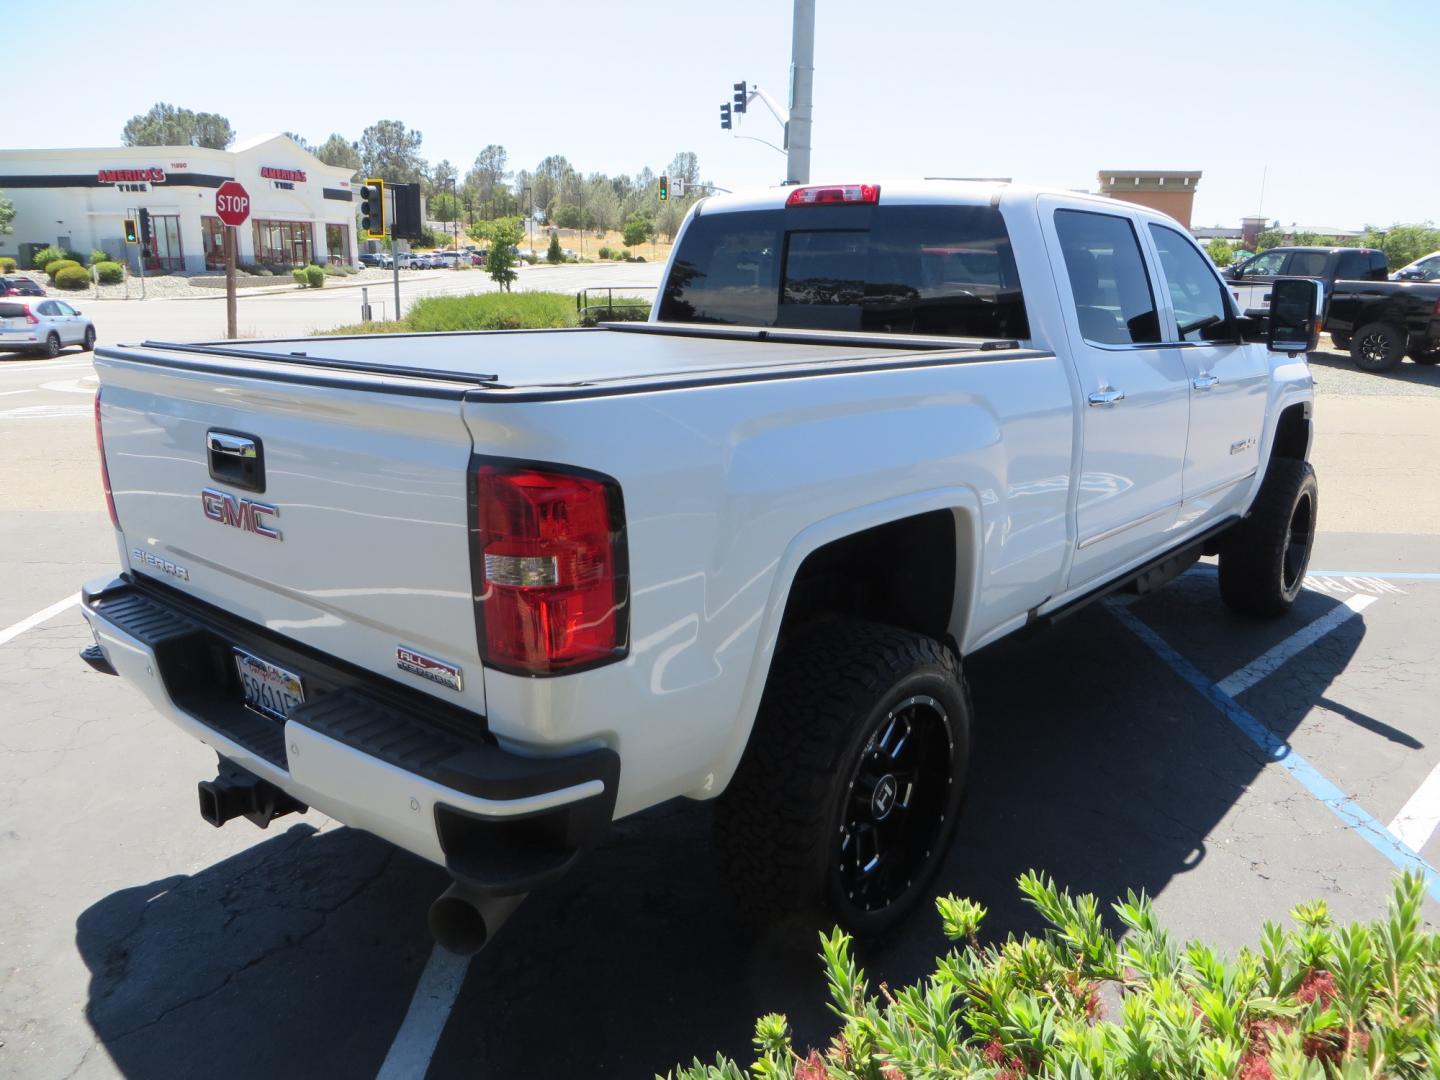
1295 315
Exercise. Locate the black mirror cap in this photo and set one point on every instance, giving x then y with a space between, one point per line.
1296 315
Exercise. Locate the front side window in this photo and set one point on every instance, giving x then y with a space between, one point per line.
1113 300
63 308
1266 264
942 270
1429 268
1199 300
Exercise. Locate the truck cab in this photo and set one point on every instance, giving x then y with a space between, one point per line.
1250 280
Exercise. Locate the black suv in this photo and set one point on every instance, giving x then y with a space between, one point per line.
20 286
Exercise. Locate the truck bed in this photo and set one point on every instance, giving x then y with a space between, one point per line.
546 364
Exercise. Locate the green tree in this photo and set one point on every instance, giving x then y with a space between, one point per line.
444 206
638 229
7 215
167 125
550 175
502 234
390 150
568 216
1403 244
684 166
602 205
340 152
554 253
1222 252
298 140
489 173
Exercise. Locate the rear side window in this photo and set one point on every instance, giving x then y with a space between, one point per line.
942 270
1353 264
1378 265
1307 264
1113 299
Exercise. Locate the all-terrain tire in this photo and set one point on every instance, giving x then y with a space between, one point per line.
1377 346
805 806
1264 558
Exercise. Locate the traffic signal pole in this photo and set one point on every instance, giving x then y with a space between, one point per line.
802 90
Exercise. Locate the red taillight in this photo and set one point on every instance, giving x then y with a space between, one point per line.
839 193
104 469
33 321
552 564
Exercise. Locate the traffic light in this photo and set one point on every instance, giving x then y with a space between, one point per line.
405 216
725 117
132 234
740 97
664 188
372 208
145 228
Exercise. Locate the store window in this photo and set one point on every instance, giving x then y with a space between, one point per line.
337 242
212 232
281 245
165 251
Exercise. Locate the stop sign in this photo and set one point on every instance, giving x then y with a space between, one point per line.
232 203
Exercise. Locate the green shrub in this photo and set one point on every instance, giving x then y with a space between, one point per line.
97 257
1313 1002
7 264
479 311
331 270
54 266
554 253
45 256
72 277
605 253
75 256
301 278
315 276
262 271
110 273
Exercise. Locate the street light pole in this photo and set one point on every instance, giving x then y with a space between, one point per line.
802 90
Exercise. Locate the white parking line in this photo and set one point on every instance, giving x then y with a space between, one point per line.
415 1042
1253 672
1420 816
12 632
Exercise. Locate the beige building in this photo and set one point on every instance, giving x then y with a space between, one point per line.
1170 192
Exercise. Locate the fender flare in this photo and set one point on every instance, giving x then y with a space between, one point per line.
963 501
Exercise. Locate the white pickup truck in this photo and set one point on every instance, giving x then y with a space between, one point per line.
483 593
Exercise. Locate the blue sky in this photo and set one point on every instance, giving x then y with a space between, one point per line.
1048 91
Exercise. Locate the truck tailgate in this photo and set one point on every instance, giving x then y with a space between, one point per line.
364 489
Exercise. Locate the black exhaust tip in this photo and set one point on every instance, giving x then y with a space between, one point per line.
463 923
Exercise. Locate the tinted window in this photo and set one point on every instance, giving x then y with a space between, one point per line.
1268 263
1306 264
62 308
1429 268
1195 292
47 308
12 311
1378 265
1353 264
1113 300
943 270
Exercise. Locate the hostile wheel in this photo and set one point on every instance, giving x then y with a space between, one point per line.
848 793
89 343
1263 559
1341 341
52 345
1377 346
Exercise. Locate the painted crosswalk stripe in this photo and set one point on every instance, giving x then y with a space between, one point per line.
1417 820
1253 672
10 633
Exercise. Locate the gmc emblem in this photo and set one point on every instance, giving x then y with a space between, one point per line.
242 514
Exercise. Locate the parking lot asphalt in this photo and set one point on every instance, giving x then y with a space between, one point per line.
1164 745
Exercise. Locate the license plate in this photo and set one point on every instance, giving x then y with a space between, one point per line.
268 689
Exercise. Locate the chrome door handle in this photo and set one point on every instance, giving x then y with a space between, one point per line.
230 445
1102 398
1204 381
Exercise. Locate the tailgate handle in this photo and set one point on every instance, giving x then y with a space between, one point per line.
236 459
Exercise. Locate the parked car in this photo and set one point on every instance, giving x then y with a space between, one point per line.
47 326
1382 322
20 286
376 259
477 258
1425 268
839 475
1250 281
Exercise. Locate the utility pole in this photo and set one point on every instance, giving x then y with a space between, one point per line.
802 90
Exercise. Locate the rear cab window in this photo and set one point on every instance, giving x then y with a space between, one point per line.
1114 304
944 270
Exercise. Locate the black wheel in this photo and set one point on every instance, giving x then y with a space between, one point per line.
1377 346
1341 341
52 345
847 796
89 343
1427 357
1263 559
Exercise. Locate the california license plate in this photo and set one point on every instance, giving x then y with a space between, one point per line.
269 689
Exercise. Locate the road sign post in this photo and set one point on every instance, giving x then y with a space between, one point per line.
232 207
